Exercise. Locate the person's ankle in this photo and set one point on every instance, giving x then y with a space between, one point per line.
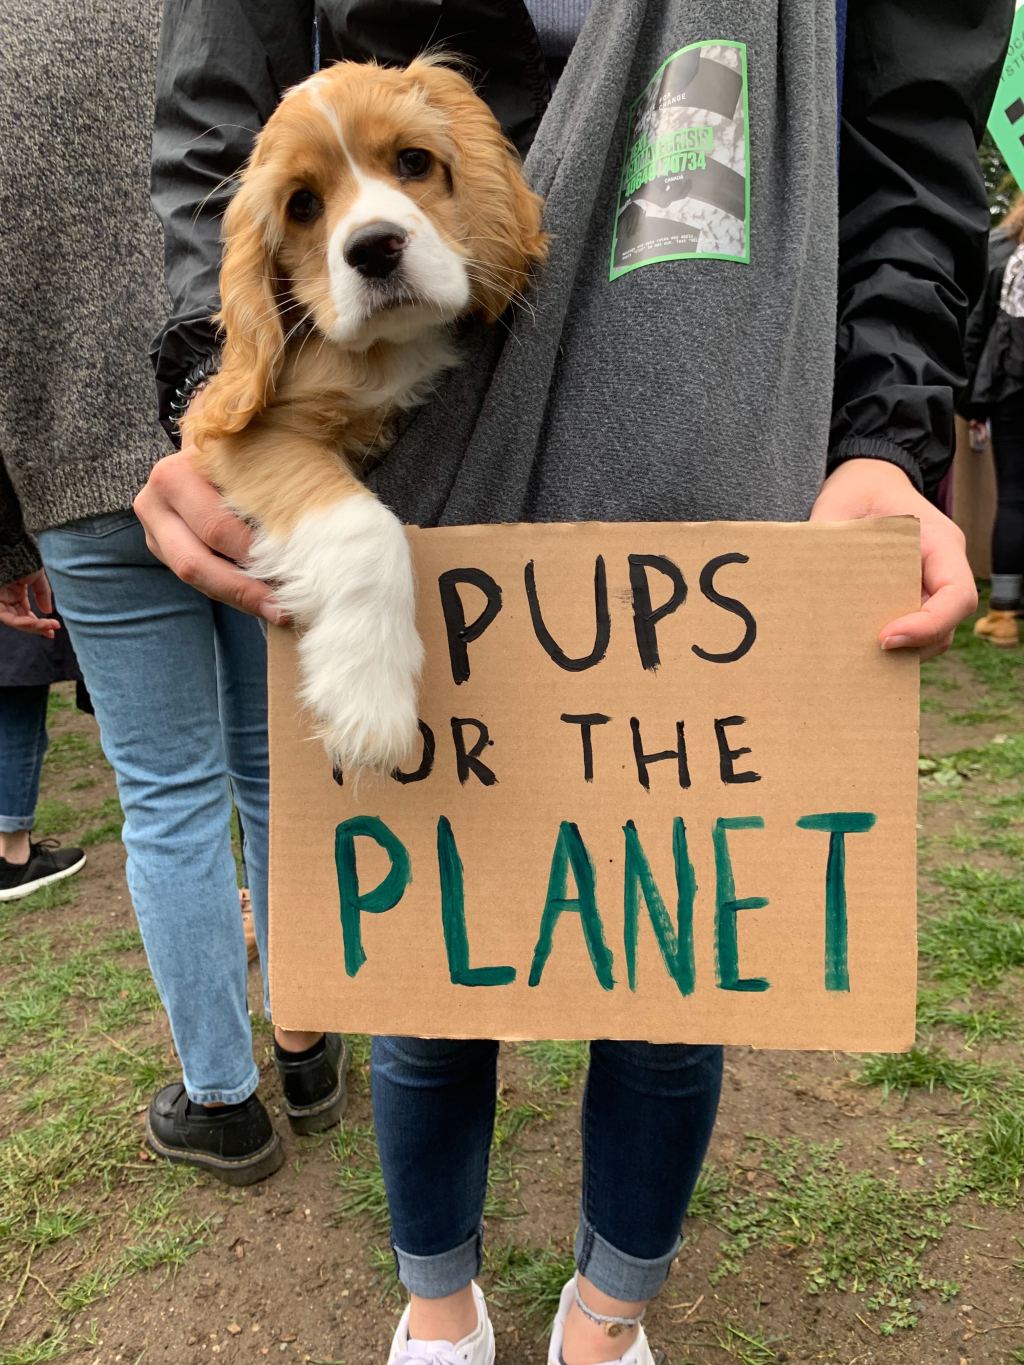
449 1319
15 847
586 1342
291 1040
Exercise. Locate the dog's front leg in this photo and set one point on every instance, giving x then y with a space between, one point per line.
343 572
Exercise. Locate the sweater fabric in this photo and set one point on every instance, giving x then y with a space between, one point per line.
81 288
676 360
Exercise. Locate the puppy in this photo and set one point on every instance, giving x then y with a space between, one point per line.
379 207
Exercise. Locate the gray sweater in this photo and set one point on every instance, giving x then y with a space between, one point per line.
676 360
81 285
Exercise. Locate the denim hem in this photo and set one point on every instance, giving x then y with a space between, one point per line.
435 1277
17 824
234 1096
617 1273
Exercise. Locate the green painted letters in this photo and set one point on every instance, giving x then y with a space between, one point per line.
571 851
676 943
382 897
837 824
453 918
727 906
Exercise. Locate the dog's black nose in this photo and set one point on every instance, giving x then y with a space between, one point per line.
375 250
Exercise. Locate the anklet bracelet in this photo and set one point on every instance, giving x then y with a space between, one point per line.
613 1326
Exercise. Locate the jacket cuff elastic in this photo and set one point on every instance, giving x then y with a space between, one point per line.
876 448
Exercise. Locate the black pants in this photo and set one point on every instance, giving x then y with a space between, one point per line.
1008 448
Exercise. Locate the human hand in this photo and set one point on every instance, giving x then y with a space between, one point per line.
193 531
876 488
978 429
16 605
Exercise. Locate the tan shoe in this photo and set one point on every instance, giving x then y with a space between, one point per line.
248 923
999 628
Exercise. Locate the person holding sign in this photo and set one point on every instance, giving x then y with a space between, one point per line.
710 341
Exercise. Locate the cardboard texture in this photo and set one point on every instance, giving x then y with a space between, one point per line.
760 889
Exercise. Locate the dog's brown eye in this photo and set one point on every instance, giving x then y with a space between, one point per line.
304 206
414 163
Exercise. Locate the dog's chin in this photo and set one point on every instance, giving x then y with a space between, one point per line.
396 311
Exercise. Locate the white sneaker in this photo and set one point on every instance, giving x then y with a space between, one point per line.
476 1349
638 1354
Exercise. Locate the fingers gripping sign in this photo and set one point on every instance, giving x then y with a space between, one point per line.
876 488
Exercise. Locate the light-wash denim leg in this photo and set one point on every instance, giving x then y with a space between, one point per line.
178 683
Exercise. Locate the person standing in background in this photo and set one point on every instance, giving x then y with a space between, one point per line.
994 349
177 681
29 662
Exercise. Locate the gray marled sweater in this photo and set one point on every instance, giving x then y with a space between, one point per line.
81 287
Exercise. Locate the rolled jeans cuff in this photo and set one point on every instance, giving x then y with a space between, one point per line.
236 1094
435 1277
615 1272
17 824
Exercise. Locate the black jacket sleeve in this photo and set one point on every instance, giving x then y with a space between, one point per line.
222 69
18 554
920 76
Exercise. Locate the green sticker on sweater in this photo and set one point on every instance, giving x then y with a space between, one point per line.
684 192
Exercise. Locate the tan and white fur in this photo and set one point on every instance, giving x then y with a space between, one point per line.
379 206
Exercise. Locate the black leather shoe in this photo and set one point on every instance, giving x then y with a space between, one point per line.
314 1087
238 1145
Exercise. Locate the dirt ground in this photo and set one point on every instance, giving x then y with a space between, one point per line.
853 1211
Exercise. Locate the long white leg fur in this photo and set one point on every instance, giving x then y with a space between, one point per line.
344 576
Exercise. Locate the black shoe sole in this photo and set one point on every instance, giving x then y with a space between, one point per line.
235 1171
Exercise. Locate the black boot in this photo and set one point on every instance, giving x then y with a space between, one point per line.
314 1083
237 1144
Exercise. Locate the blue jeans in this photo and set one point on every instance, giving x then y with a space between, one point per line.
179 687
648 1112
23 741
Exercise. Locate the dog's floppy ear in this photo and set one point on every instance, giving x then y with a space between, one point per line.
249 315
502 213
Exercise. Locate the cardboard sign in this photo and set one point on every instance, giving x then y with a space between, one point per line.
1006 121
667 791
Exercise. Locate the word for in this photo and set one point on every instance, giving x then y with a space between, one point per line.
674 935
471 738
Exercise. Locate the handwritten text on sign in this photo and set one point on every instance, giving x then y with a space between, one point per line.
665 790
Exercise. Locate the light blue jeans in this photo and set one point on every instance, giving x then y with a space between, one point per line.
179 687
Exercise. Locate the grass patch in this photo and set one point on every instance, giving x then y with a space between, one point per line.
747 1348
171 1248
53 817
850 1231
936 1009
530 1279
979 937
72 751
360 1177
104 823
47 1347
926 1068
555 1065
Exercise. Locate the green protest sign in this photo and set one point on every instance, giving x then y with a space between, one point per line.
1006 122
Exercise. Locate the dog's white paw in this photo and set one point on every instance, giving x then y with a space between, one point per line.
345 578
